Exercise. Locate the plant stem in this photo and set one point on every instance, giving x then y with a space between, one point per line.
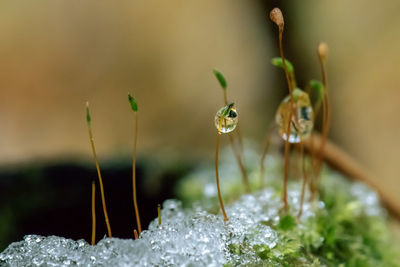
245 178
312 181
291 112
303 187
264 154
290 84
325 108
135 123
225 97
93 214
240 139
286 167
159 214
100 179
221 204
293 79
238 154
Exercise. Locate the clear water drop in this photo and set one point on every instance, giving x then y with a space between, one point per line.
226 123
302 119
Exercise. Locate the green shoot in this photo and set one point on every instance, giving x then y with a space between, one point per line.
287 223
317 92
221 79
88 120
134 107
318 88
222 82
133 103
278 62
296 94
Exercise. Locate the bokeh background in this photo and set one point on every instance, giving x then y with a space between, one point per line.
55 55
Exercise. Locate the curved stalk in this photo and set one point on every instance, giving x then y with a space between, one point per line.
103 201
322 54
221 203
135 118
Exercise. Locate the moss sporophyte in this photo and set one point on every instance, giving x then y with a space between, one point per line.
134 107
234 140
91 139
294 122
226 121
340 224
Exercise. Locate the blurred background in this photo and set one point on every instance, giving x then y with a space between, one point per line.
55 55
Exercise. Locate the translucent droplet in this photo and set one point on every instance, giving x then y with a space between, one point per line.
302 119
226 119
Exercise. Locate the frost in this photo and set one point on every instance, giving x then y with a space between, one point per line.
185 238
258 233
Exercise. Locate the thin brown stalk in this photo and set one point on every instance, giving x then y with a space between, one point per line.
135 118
238 153
264 154
311 182
296 159
240 139
322 54
99 175
277 17
225 97
286 168
135 234
93 214
314 157
159 214
303 186
293 80
221 203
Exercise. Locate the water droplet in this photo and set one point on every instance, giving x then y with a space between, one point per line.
226 123
302 119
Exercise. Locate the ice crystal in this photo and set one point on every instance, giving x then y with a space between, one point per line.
341 227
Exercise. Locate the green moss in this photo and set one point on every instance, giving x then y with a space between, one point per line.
286 223
344 229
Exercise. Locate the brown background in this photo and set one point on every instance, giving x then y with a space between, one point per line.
55 55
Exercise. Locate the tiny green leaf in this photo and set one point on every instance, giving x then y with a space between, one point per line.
277 61
263 251
287 223
88 119
133 103
226 109
296 94
235 249
318 88
220 78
